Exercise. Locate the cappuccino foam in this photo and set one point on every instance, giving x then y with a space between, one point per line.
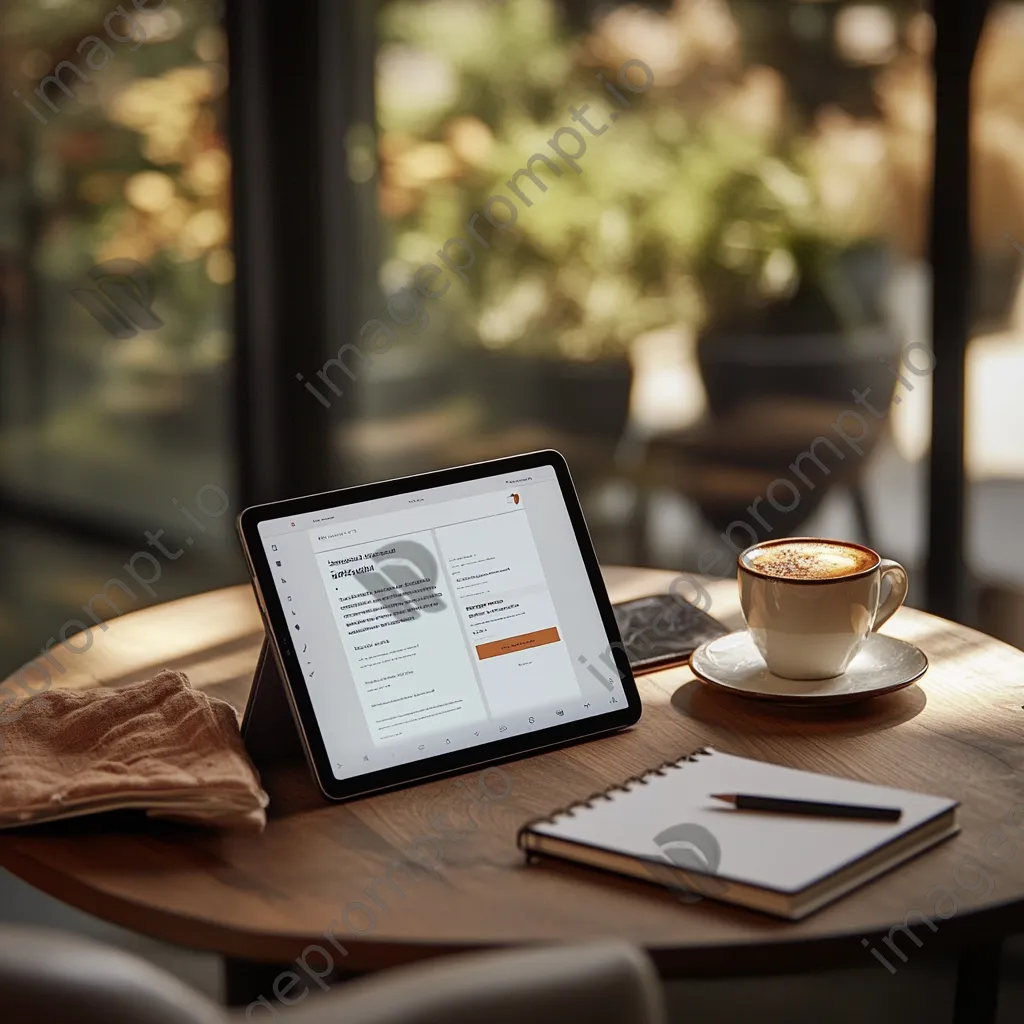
810 560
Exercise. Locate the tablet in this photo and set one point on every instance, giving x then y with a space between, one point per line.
438 622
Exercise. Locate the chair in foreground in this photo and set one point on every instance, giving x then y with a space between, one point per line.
49 975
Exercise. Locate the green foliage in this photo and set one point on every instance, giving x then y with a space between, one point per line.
703 196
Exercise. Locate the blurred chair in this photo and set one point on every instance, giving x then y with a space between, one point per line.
48 976
727 462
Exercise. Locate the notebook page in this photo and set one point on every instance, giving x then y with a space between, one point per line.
774 851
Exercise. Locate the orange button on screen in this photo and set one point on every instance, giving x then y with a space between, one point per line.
514 644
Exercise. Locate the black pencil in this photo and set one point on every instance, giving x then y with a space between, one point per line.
814 808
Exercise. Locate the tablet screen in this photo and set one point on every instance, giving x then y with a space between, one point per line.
433 621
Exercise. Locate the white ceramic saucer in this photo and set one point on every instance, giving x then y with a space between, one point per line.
882 665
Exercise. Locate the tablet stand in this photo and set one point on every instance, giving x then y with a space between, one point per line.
268 727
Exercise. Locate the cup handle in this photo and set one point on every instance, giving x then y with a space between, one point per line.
898 585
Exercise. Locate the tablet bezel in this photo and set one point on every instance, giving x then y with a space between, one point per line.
275 620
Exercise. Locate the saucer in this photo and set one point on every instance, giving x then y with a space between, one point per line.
734 664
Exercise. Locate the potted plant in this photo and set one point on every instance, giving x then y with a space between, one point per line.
540 331
789 307
709 206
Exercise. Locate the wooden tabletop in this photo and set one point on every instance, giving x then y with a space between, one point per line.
318 867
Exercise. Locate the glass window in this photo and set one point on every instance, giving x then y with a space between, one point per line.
115 257
995 354
676 240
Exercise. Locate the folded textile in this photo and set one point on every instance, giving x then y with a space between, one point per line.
159 746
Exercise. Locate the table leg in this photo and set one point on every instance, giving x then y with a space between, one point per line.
977 985
251 981
861 514
245 981
639 525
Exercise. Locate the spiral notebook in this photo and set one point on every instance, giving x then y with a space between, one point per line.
664 828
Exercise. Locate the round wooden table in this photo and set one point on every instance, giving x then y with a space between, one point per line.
350 870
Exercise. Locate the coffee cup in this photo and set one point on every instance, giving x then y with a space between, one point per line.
809 603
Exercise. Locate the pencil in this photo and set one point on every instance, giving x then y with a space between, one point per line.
814 808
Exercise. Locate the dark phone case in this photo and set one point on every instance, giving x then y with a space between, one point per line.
663 630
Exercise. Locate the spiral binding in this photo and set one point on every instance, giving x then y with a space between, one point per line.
623 787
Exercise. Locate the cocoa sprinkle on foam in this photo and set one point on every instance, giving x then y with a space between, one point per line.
810 562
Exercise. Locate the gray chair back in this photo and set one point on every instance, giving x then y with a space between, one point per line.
48 976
